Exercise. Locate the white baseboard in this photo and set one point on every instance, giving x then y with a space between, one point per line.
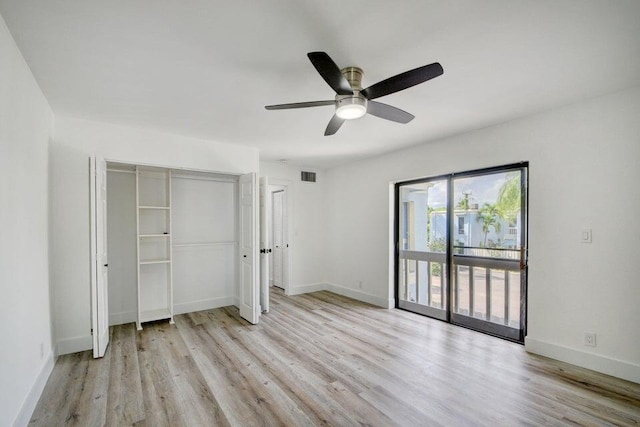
341 290
205 304
122 318
30 402
74 345
305 289
358 295
595 362
187 307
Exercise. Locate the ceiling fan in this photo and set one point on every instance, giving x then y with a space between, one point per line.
351 101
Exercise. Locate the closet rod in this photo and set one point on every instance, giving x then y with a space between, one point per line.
187 245
204 178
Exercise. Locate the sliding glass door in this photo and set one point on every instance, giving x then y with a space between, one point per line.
422 255
461 243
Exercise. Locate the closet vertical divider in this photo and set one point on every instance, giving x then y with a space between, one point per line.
154 244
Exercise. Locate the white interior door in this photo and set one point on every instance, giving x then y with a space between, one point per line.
249 285
265 211
99 261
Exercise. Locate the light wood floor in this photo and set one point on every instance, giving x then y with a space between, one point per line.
322 359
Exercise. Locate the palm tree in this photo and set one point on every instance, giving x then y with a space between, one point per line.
509 197
489 215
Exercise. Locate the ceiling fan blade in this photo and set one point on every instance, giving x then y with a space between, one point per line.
330 72
403 81
300 105
388 112
334 125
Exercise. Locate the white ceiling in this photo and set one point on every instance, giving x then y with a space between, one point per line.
207 68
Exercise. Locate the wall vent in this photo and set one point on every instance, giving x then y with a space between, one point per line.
308 176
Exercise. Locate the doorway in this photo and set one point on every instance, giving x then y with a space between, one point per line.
279 271
462 249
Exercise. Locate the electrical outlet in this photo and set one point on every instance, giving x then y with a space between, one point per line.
586 235
589 339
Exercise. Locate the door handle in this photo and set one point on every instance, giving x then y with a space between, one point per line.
106 265
244 256
270 250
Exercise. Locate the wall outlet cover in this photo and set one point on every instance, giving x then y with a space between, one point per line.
589 339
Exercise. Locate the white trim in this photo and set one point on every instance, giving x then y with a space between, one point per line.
305 289
30 402
186 307
341 290
74 345
122 318
606 365
359 295
205 304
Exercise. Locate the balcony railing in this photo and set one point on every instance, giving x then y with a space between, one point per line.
486 282
484 252
487 289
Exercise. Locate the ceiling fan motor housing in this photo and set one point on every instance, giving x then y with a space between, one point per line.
353 76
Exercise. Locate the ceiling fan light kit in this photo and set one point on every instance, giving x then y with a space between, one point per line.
351 101
351 107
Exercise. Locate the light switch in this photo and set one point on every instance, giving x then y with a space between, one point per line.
586 235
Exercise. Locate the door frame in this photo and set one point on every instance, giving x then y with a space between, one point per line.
450 317
265 242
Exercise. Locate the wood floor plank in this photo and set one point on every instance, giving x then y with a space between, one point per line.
125 402
228 385
161 403
324 359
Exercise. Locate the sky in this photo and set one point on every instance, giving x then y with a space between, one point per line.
483 189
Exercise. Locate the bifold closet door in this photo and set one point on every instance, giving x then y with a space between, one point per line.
99 260
248 238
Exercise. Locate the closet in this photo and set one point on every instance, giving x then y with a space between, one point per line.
172 238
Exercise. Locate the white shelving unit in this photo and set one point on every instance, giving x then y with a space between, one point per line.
154 245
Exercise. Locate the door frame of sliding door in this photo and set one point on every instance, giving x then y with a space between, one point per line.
451 317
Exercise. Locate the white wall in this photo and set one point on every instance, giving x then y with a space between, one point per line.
26 125
75 141
307 212
584 173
